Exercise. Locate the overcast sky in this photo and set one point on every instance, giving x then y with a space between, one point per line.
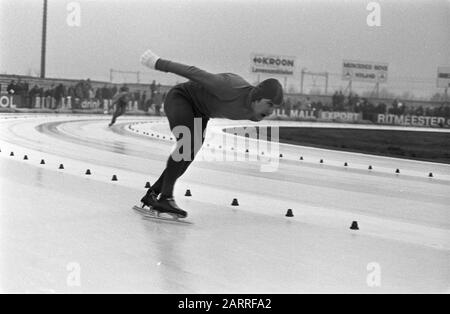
220 35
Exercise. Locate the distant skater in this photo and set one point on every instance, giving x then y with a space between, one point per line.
204 96
121 100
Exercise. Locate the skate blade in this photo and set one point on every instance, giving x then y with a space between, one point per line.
166 219
150 214
145 211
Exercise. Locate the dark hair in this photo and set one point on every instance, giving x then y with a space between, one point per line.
124 89
270 89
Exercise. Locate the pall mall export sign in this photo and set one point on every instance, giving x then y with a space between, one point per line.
272 64
310 115
374 72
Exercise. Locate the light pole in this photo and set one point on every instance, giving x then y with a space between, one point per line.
44 39
301 79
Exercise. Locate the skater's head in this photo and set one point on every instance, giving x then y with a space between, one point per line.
266 97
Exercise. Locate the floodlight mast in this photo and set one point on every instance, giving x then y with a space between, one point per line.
44 39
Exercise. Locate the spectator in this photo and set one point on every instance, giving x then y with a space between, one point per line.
113 90
419 111
142 101
148 104
79 94
25 88
23 93
137 97
11 88
158 100
85 87
71 92
91 94
152 88
49 95
447 111
288 106
19 92
59 93
106 92
354 101
308 103
19 87
381 108
334 99
34 92
98 95
340 102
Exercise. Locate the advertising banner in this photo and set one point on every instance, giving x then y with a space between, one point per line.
272 64
373 72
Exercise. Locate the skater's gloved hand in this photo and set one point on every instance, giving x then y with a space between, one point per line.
149 59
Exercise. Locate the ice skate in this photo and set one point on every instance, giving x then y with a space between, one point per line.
163 209
168 206
149 199
147 202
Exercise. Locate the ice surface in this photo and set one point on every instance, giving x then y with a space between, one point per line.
63 231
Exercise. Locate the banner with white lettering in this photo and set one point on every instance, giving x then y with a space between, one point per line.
374 72
7 101
272 64
310 115
407 120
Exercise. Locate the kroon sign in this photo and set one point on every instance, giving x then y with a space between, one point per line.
272 64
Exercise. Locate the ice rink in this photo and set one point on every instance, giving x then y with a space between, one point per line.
64 231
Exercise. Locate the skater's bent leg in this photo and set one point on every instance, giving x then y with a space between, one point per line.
194 149
180 112
120 110
157 186
175 169
115 115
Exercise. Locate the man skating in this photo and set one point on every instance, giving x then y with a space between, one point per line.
204 96
120 100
